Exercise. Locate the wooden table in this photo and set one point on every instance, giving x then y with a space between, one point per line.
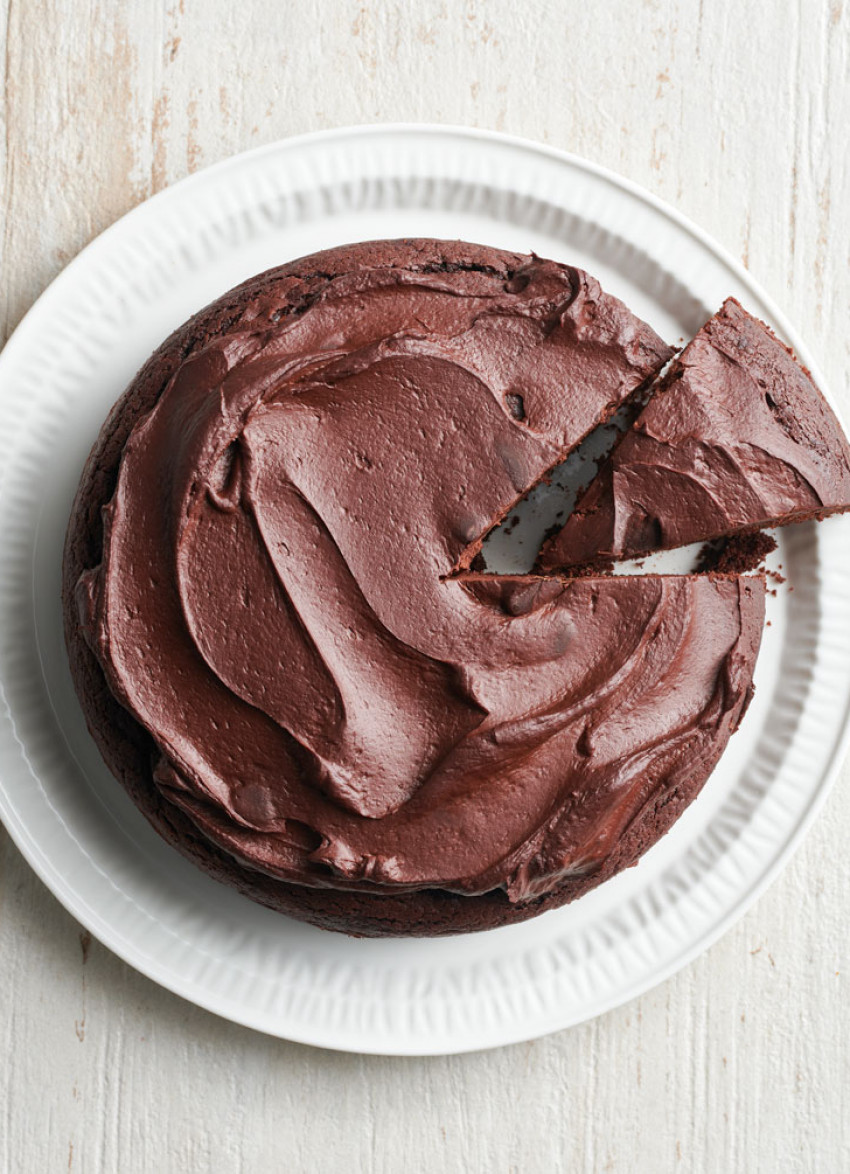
736 111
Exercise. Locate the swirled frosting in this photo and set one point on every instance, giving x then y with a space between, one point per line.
283 599
738 437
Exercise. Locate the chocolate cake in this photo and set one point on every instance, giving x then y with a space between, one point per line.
737 438
275 635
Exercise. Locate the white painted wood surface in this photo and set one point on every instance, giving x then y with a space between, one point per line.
737 111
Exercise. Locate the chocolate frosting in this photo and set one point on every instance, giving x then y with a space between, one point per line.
737 437
274 606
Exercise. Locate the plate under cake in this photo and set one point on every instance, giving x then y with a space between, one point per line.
264 630
737 438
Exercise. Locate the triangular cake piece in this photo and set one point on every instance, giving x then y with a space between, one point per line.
736 438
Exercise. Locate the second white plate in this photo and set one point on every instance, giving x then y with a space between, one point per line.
71 358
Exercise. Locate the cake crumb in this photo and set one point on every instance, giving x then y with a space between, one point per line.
736 554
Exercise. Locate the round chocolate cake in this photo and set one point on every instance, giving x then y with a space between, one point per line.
278 636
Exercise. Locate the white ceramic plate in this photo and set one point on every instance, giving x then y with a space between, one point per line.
70 359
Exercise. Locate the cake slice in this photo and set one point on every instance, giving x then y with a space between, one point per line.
736 438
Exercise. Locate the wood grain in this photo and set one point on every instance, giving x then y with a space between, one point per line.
737 112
